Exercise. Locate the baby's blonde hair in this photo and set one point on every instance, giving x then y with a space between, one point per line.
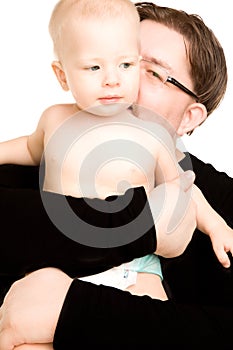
101 9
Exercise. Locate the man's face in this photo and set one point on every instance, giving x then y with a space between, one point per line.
168 48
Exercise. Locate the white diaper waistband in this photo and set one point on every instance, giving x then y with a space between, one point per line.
119 277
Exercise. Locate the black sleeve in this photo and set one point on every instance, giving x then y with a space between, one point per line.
30 240
216 186
100 315
19 176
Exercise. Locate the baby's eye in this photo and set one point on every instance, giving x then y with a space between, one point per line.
93 68
125 65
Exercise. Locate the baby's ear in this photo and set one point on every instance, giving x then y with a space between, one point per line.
60 74
194 115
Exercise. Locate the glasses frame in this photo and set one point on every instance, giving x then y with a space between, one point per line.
181 87
175 82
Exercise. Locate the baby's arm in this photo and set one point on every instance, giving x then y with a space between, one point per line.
212 224
15 151
208 220
24 150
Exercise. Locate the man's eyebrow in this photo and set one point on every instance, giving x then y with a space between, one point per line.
160 62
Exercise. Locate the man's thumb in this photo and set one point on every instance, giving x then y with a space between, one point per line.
187 179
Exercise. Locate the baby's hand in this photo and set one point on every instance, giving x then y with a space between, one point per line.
222 241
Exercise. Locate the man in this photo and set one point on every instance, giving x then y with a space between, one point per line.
175 49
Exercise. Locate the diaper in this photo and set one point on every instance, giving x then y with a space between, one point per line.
119 277
125 275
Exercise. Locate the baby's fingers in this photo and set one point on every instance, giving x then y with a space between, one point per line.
222 256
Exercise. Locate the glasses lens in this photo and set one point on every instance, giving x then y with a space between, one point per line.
154 72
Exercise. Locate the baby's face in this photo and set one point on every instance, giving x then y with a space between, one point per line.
100 60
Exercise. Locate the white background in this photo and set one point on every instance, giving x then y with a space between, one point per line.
28 84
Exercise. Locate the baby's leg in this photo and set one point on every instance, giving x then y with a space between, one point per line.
35 347
148 284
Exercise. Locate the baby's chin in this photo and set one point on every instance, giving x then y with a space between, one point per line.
108 110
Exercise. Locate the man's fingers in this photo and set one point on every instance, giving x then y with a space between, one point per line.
187 179
5 343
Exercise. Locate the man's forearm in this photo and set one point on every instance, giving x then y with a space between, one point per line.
100 315
29 237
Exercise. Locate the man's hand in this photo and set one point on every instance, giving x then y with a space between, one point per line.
34 347
31 308
174 214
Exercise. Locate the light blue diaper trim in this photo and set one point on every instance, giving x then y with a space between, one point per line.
149 264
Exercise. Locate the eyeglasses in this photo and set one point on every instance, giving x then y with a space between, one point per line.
159 75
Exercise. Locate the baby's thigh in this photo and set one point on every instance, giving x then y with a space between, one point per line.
34 347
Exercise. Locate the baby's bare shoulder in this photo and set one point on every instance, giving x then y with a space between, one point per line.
56 114
64 110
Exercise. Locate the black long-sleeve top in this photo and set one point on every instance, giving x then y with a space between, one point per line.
103 315
99 315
